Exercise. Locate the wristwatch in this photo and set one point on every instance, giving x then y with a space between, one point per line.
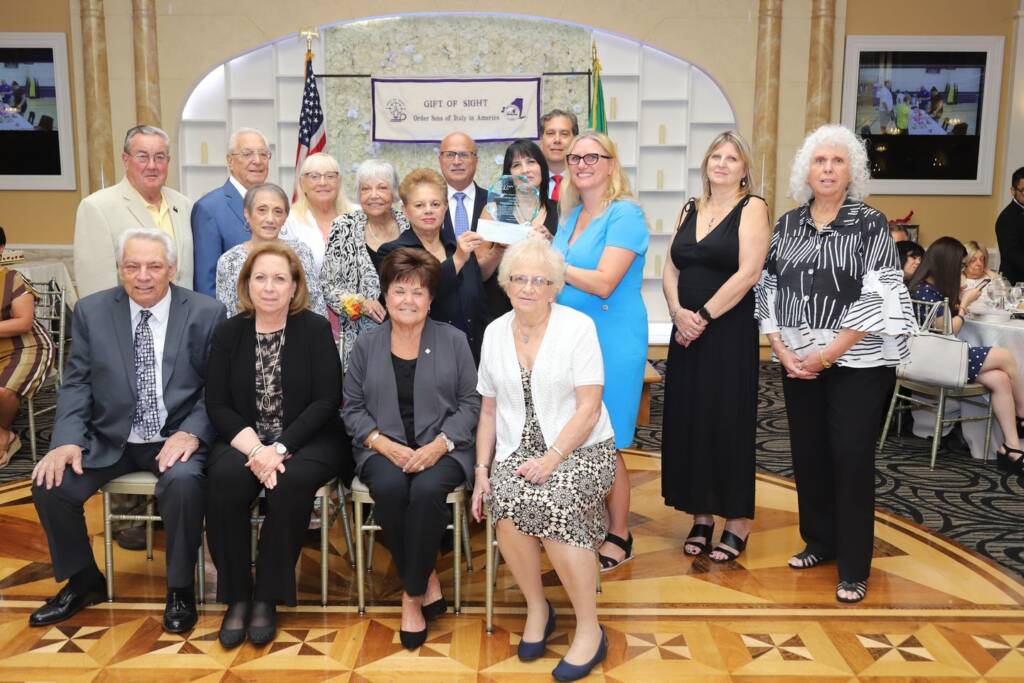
280 448
703 312
448 443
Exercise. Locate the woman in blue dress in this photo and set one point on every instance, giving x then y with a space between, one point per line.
938 278
604 241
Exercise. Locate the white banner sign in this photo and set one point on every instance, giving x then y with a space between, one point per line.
427 109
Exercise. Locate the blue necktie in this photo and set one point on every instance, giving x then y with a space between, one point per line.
146 419
461 217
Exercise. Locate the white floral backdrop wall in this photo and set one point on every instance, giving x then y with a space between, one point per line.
442 46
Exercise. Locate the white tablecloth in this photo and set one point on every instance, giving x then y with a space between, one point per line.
42 272
1009 335
14 121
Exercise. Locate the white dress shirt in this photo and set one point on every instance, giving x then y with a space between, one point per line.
238 186
161 311
469 202
551 182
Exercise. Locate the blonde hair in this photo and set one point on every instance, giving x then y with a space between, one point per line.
973 248
328 164
422 176
535 251
618 181
298 303
733 138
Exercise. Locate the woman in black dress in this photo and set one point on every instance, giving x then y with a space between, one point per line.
711 379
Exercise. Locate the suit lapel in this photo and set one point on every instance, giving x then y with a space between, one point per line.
121 319
479 202
133 202
234 202
390 418
176 320
424 391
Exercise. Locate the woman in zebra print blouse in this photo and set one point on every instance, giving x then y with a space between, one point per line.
832 301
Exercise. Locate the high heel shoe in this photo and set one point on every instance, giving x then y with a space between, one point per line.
705 531
730 545
573 672
412 639
531 651
1007 464
435 609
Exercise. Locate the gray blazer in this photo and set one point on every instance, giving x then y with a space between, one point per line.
444 392
97 399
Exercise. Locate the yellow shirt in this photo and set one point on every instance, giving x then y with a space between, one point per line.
161 214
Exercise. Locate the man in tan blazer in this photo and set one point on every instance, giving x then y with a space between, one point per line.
140 200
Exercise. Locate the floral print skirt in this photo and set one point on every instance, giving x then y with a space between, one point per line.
569 507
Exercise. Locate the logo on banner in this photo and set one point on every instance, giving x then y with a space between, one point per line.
396 110
514 110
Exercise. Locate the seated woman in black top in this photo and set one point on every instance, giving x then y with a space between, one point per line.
411 407
459 299
273 390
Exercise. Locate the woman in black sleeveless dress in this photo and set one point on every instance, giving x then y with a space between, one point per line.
711 379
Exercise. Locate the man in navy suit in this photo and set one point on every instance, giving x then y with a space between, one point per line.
217 220
466 202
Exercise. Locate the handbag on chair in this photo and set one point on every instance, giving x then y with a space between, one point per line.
935 358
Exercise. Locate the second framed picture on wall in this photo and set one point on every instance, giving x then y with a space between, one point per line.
927 107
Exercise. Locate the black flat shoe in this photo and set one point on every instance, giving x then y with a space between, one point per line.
263 633
610 563
435 609
231 638
705 531
1007 464
729 545
180 612
412 639
67 603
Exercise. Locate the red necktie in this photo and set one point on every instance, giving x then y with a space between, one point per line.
558 184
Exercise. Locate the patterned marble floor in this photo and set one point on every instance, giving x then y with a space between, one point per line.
935 612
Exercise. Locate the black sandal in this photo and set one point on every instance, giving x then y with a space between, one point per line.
705 531
807 559
726 545
610 563
858 588
1004 463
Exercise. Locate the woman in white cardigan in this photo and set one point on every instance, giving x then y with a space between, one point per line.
553 448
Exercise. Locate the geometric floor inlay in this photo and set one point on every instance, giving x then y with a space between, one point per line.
934 612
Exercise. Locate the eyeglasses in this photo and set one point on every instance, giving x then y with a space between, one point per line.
537 281
1018 190
462 156
160 158
587 159
317 177
250 153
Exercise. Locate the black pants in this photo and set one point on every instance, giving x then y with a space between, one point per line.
834 424
179 493
412 513
232 490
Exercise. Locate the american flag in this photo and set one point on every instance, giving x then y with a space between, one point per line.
312 133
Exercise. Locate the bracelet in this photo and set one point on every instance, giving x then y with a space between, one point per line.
825 362
373 437
253 451
557 450
703 312
482 466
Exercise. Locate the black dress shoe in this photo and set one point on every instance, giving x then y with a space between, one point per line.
412 639
180 612
132 538
67 603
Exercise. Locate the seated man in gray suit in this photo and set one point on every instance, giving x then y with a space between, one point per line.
132 400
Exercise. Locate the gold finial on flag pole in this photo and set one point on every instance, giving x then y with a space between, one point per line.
309 35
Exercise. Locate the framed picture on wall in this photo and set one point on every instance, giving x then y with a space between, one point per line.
36 144
927 107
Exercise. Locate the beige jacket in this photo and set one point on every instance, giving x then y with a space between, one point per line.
104 215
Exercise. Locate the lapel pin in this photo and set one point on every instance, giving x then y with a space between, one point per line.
426 350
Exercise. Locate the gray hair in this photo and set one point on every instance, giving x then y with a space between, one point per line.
533 250
830 135
377 169
152 235
250 196
144 130
233 140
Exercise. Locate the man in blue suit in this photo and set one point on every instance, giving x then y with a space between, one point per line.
217 220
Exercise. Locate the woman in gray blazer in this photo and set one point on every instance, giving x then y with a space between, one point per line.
411 407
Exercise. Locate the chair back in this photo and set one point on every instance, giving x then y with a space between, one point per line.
927 312
51 312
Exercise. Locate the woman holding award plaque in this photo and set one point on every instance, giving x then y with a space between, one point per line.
524 158
604 241
460 299
715 260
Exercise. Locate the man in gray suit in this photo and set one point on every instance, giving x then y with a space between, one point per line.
132 399
140 200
